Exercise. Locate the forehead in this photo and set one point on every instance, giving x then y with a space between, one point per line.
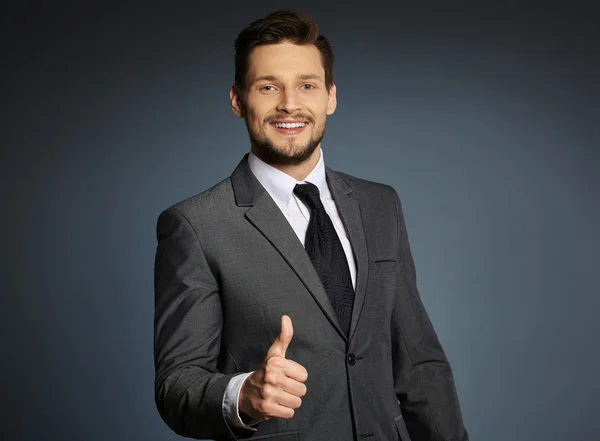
284 59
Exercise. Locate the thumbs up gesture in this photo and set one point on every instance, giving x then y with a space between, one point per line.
276 388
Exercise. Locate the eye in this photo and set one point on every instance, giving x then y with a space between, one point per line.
268 88
308 86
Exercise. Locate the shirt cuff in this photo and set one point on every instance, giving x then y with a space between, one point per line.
231 411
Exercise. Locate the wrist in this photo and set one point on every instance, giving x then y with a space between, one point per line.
243 402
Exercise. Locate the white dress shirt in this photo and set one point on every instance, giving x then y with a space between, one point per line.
280 187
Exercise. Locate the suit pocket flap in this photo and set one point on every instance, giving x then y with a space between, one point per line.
401 426
281 436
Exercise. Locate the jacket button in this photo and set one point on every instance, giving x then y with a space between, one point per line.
351 359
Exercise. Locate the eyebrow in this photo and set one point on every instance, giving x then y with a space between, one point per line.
302 77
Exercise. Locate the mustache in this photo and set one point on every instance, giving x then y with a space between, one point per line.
300 117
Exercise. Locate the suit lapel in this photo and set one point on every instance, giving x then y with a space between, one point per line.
349 211
270 221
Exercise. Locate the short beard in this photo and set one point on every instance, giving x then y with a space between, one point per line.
269 153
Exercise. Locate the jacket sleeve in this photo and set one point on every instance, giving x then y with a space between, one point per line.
187 333
423 378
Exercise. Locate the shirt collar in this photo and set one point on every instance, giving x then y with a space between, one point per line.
281 185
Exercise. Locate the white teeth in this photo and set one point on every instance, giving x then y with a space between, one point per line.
289 125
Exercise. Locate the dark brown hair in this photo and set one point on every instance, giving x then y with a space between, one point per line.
281 27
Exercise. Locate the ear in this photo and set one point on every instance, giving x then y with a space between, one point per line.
332 101
235 99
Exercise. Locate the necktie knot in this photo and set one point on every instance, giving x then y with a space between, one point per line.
309 194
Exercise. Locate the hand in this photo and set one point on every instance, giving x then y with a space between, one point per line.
276 388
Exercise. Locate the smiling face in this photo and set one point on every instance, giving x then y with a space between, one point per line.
285 102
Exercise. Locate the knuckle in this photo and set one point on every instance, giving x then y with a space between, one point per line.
269 392
266 391
260 406
274 362
263 407
271 377
266 409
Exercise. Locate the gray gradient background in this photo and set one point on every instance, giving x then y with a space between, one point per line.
484 118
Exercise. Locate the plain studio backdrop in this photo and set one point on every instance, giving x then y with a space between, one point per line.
485 119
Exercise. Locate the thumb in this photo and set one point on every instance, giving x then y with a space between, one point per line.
280 345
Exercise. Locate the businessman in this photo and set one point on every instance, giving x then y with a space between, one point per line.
286 305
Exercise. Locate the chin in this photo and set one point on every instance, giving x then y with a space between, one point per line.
284 156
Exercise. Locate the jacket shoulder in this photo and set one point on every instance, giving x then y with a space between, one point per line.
205 205
206 199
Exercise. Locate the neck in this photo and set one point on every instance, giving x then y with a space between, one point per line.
298 171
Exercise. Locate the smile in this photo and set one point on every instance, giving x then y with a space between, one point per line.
295 125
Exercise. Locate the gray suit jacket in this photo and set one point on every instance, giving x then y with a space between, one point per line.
229 265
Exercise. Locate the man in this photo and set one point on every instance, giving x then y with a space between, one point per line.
286 299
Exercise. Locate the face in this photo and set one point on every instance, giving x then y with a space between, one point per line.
285 102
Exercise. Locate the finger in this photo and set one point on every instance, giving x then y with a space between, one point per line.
294 370
276 410
288 400
294 387
280 345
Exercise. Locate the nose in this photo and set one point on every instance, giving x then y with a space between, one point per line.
289 102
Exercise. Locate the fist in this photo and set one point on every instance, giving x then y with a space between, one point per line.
276 388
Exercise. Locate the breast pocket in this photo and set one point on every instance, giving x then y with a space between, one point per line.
383 265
